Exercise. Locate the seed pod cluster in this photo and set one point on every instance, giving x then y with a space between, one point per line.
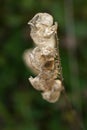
44 58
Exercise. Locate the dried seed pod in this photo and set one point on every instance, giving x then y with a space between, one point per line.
53 95
42 29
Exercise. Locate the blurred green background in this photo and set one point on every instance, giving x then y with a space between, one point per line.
21 106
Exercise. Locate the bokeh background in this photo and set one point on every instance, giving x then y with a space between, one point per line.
21 106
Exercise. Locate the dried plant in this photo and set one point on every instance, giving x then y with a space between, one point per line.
44 58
